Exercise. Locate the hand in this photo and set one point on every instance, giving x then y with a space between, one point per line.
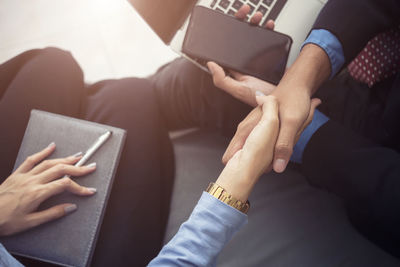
242 87
247 125
254 158
34 182
294 112
303 78
296 108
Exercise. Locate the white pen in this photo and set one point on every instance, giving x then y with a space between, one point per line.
99 142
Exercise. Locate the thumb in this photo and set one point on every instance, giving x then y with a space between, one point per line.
216 70
288 133
284 146
219 77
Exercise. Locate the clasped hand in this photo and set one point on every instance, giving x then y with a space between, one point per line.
296 108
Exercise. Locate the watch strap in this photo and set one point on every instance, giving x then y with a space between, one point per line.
220 193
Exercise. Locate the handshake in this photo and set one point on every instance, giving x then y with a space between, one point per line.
293 95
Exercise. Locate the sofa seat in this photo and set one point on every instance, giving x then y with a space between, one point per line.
290 222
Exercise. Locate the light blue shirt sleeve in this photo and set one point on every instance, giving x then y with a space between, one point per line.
319 119
201 238
331 45
7 260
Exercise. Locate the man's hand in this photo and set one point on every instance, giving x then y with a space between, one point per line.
247 125
311 68
242 87
296 108
293 94
294 112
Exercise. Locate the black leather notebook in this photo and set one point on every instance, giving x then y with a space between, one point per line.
71 240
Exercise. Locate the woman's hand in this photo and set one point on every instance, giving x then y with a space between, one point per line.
34 182
247 164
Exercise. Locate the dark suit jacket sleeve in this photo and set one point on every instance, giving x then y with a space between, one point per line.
365 175
355 22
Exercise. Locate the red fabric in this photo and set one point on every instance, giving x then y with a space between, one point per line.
379 60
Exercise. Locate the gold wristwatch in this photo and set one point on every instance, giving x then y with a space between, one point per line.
220 193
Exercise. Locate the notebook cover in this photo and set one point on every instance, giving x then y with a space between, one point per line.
69 241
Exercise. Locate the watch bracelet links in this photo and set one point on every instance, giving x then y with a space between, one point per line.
218 192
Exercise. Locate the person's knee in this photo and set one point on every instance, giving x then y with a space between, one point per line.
60 59
51 80
134 93
124 96
179 72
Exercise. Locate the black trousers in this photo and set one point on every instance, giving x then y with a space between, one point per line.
137 212
188 98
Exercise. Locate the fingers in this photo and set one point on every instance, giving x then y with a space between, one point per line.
256 18
60 170
217 72
53 213
34 159
222 81
242 12
65 184
284 145
242 132
237 75
47 164
315 102
261 141
269 106
230 85
270 24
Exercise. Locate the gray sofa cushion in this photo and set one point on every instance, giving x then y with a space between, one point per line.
290 222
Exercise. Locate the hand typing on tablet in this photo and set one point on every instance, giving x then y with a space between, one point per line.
35 181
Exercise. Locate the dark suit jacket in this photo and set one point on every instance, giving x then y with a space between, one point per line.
365 174
355 22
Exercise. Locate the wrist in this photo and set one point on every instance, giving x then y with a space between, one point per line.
238 188
224 196
309 71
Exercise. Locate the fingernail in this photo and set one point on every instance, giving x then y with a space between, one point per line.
70 208
77 155
92 189
92 165
52 144
279 165
259 93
